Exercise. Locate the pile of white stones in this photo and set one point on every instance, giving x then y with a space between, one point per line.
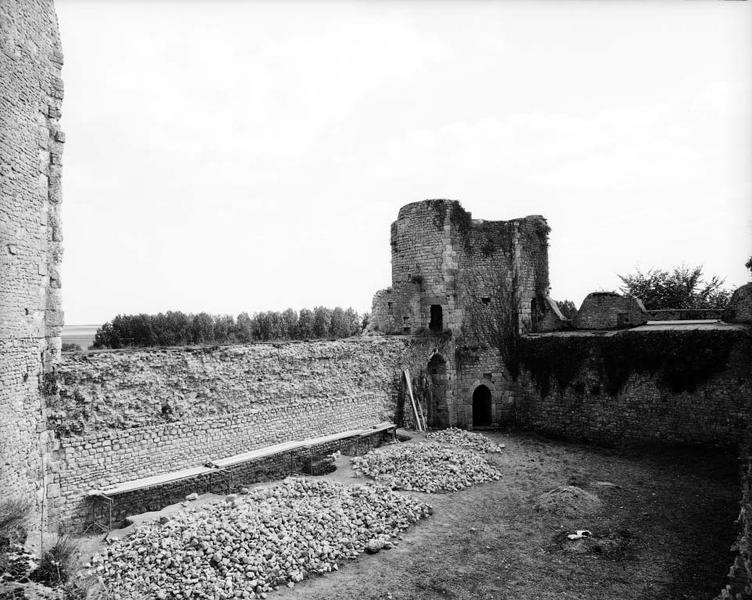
464 439
252 544
425 467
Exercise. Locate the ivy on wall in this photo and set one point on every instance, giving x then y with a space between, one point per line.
678 360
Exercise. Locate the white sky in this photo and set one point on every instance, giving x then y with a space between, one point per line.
236 156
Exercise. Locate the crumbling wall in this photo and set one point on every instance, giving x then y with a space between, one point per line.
123 415
665 386
31 92
739 586
446 263
442 257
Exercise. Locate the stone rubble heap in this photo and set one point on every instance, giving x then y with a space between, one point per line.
251 544
425 467
464 439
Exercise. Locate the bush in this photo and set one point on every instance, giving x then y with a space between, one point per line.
57 563
13 515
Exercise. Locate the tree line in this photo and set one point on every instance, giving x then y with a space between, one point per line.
176 328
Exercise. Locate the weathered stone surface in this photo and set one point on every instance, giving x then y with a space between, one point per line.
447 264
739 309
30 250
608 310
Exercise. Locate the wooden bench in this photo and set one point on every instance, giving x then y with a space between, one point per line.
108 495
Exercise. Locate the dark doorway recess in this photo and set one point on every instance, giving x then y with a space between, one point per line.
481 406
437 318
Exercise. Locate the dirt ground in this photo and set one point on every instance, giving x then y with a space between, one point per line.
663 533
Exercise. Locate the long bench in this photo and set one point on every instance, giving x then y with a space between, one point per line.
220 471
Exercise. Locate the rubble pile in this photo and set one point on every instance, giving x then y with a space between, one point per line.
464 439
251 544
425 467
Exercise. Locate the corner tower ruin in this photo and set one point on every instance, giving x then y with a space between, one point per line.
31 93
458 285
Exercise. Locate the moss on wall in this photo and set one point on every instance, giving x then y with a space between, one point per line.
678 360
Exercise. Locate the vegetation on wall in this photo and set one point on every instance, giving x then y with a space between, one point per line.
678 360
496 322
553 359
681 288
439 209
175 328
567 308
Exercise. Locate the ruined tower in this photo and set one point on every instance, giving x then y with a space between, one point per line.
458 285
31 142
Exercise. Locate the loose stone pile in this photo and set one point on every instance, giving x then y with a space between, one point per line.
425 467
252 544
464 439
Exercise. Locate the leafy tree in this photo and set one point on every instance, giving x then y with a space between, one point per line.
338 325
244 328
567 308
352 318
290 324
681 288
305 324
748 264
322 320
224 329
202 329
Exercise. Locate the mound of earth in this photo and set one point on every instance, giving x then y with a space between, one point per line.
568 501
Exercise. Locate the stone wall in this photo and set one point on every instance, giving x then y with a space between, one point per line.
652 387
479 277
740 573
134 414
31 92
441 257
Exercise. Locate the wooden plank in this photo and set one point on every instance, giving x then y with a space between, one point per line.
406 373
258 453
154 480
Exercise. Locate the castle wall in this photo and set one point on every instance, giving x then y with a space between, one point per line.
123 415
31 92
654 387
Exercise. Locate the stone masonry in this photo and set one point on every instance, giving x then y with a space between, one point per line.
124 415
448 269
31 144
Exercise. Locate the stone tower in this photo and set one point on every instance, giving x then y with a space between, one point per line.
31 142
449 272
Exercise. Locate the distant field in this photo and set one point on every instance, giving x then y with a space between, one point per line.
83 335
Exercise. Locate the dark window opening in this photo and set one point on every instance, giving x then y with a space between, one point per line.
486 300
437 319
389 306
405 330
405 318
487 375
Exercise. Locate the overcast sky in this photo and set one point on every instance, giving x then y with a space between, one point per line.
243 156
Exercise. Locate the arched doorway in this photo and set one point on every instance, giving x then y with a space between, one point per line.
482 406
438 411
